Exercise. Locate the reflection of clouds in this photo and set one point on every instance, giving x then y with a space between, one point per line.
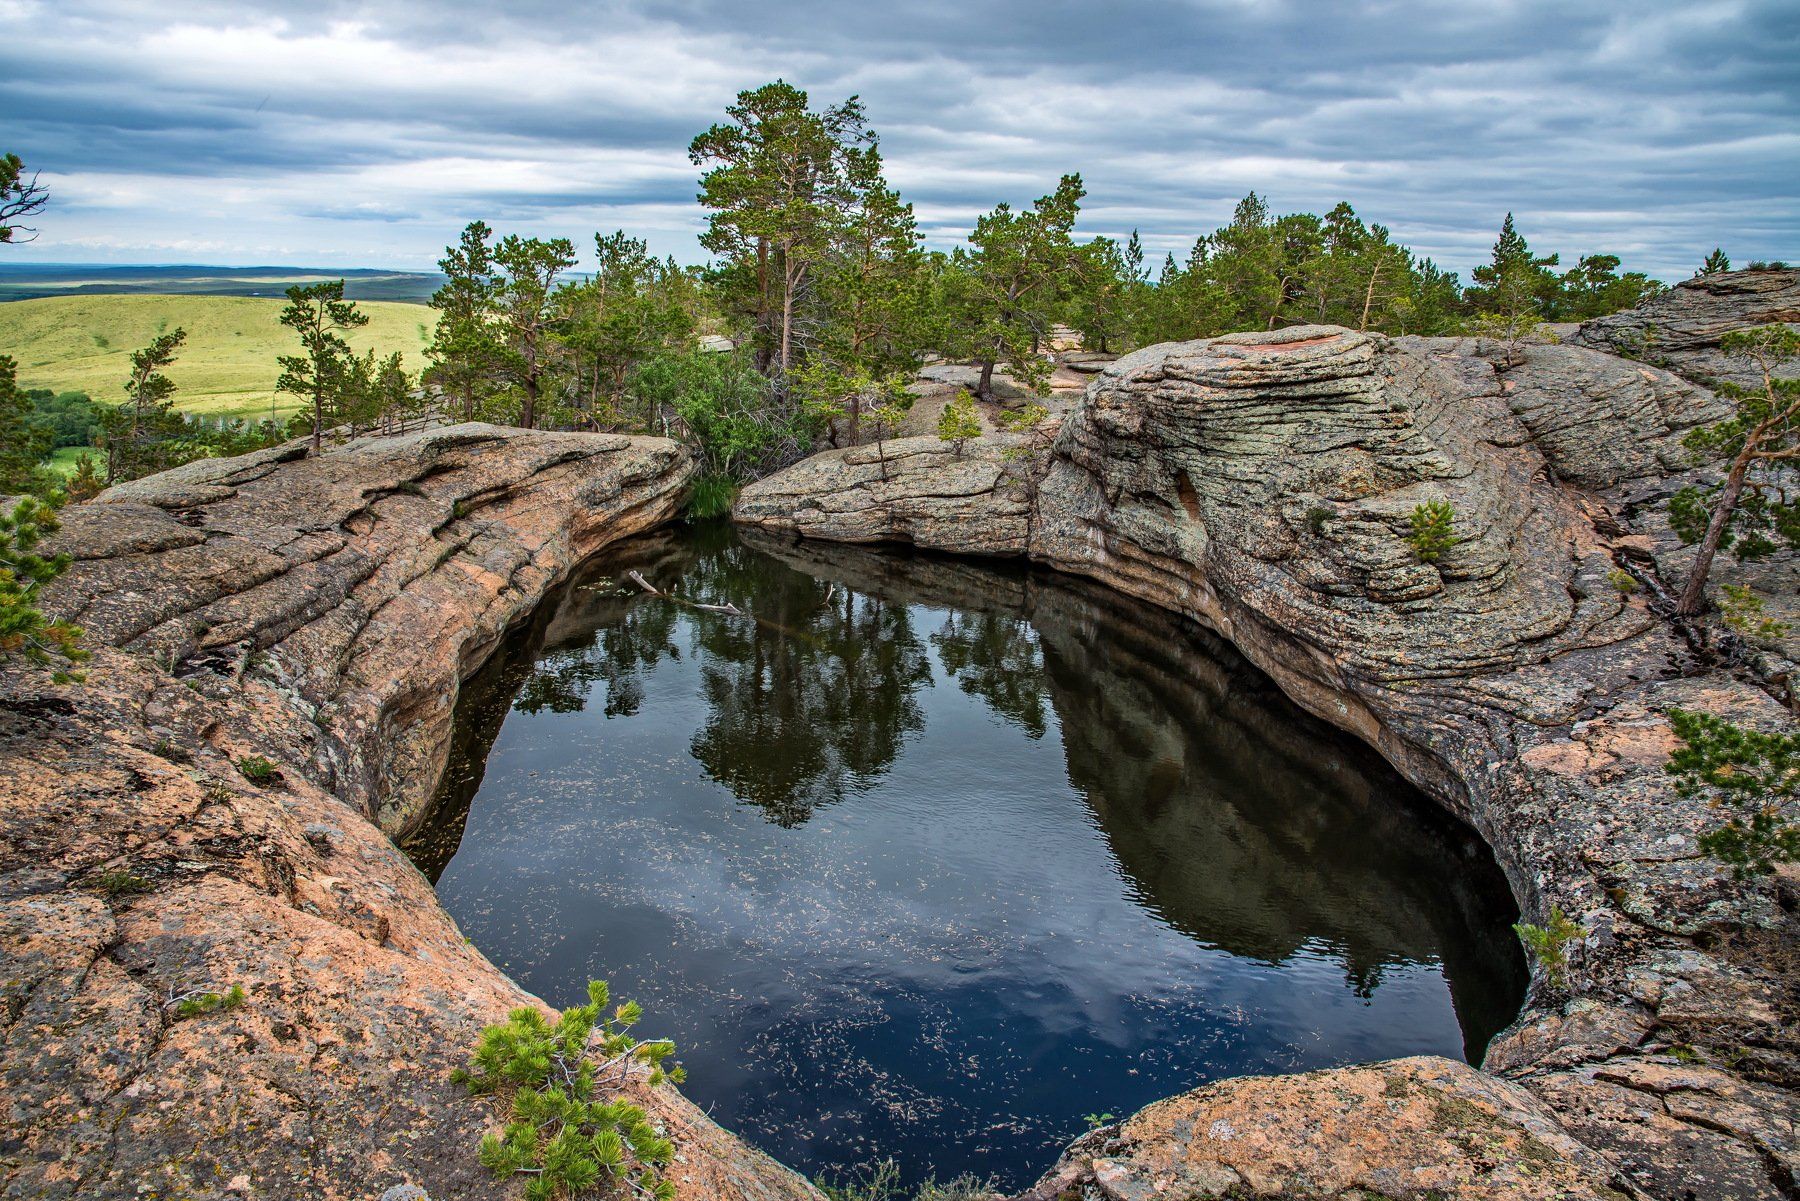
1433 119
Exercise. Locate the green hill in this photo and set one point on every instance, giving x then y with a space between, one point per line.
84 343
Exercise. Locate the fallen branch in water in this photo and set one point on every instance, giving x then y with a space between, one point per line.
727 608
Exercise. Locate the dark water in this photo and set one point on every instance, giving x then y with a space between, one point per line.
930 860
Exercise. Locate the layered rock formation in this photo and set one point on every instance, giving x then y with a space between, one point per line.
1681 328
319 612
1262 484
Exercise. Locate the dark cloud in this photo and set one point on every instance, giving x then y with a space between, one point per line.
368 132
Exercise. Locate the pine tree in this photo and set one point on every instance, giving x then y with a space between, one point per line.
1004 291
25 631
776 185
959 421
319 314
1716 263
528 319
23 442
1750 509
145 434
464 351
1103 286
632 307
873 293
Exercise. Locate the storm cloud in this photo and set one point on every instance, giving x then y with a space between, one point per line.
367 134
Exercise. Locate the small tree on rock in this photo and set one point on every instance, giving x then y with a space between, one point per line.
1716 263
959 421
1752 507
1429 532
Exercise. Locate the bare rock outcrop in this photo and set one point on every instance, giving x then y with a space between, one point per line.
319 612
1262 484
1681 328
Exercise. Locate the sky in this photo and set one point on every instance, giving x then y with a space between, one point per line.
325 133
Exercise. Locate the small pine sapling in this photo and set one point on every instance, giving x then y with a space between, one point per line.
1430 533
959 421
566 1141
25 631
1549 944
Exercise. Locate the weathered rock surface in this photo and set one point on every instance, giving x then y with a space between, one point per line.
1261 484
1681 328
1350 1132
320 612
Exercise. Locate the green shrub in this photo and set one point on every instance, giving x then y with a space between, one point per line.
959 421
196 1004
1316 517
881 1182
1751 775
1623 580
1429 535
258 770
711 496
120 883
167 749
566 1141
1742 609
1549 944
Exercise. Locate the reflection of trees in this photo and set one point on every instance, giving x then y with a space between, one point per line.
813 697
1245 823
638 637
994 657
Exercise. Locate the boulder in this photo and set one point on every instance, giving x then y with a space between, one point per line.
1412 1129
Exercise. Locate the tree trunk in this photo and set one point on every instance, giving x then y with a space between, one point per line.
1369 297
528 410
762 305
787 322
984 388
1693 593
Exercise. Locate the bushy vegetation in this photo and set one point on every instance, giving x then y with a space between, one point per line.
1751 776
259 770
26 633
551 1076
960 421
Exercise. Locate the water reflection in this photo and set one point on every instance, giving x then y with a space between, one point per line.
1089 857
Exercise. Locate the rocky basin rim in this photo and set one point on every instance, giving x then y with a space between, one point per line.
321 611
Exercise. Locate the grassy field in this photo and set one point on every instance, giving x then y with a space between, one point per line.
62 459
226 368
